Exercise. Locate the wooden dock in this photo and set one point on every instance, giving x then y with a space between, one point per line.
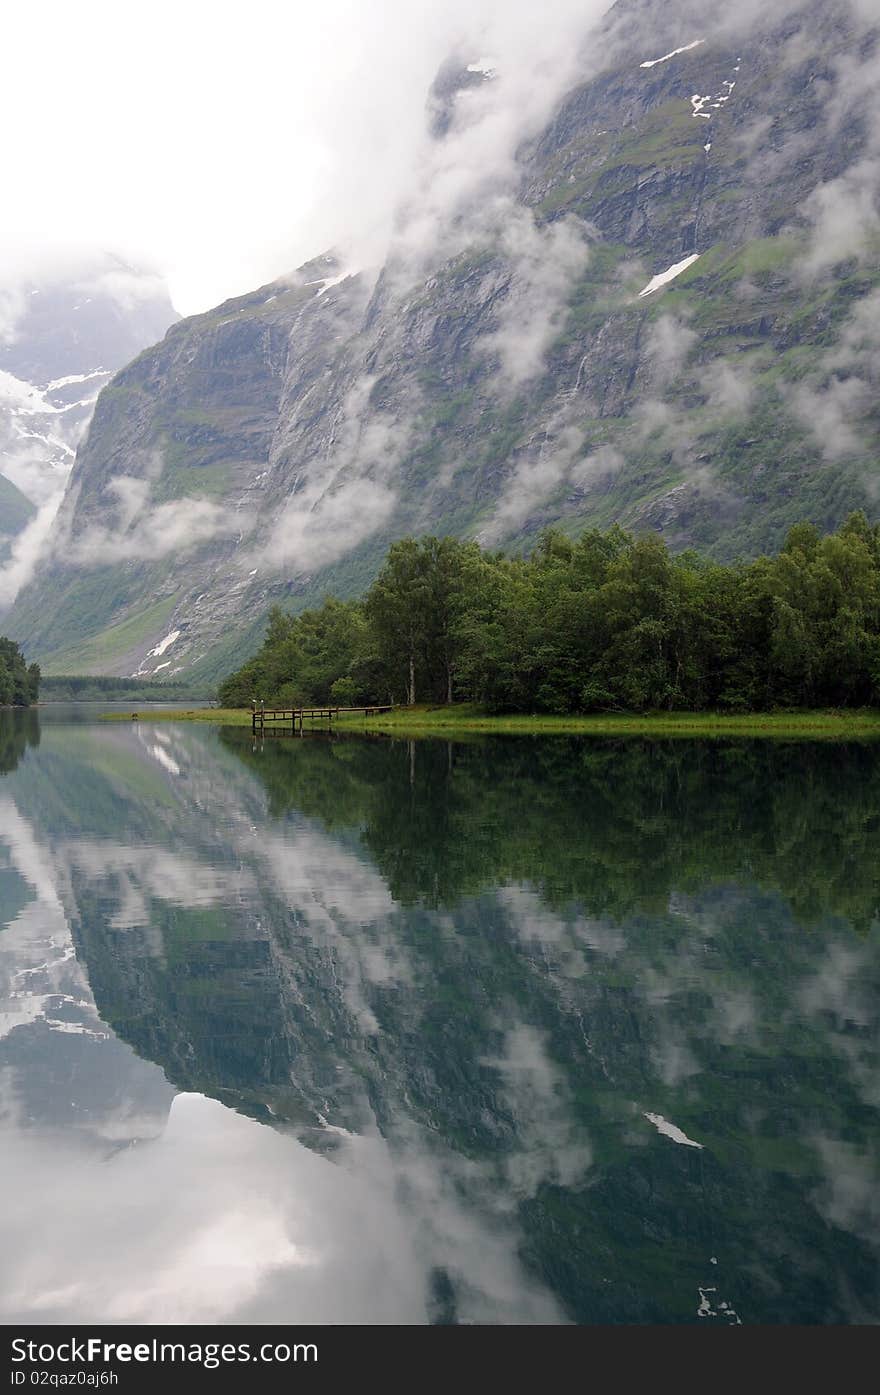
287 721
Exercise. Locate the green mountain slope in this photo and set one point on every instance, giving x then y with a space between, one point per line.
15 512
667 316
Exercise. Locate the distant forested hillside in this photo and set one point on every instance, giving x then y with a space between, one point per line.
95 688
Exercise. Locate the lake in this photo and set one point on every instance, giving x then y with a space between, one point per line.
507 1030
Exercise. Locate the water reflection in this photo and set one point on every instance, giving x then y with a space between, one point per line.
18 730
542 1030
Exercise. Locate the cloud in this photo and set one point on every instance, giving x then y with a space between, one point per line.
278 1228
668 343
38 463
537 475
140 875
41 426
31 544
842 213
162 1233
131 494
834 399
847 1196
455 190
728 389
126 287
339 500
342 146
70 267
652 419
844 217
546 263
12 306
859 343
327 132
141 531
601 466
457 196
342 906
830 412
556 938
551 1146
181 525
316 527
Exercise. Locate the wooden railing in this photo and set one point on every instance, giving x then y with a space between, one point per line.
278 720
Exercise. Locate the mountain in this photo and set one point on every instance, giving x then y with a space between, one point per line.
56 1053
16 511
661 309
64 334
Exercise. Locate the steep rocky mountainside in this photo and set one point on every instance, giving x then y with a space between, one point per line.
64 335
665 315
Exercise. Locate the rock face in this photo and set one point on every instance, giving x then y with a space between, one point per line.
63 337
665 315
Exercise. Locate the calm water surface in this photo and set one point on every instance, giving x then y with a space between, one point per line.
517 1030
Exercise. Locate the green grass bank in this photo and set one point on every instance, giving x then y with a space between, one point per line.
447 721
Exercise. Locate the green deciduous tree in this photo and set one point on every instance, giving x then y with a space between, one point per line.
19 683
604 621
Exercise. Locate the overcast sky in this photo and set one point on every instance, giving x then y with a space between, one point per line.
226 143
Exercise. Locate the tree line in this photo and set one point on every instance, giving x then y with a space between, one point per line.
99 687
607 621
19 682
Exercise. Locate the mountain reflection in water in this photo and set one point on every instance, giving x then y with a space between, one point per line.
510 1030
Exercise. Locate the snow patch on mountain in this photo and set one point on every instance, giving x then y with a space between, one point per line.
23 399
53 365
715 100
326 283
686 48
164 644
489 66
664 277
671 1131
77 378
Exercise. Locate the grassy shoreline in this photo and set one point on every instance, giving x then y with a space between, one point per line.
466 718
